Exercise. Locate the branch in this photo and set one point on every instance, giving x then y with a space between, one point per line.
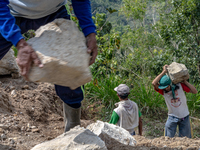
195 118
131 72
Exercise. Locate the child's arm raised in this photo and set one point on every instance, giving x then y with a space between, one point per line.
192 88
157 79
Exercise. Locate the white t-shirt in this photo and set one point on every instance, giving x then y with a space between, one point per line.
177 107
34 9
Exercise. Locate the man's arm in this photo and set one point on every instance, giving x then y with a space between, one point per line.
11 32
8 29
157 79
82 10
114 118
140 126
191 87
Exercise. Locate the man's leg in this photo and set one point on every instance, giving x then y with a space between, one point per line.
71 106
71 98
184 127
4 46
170 126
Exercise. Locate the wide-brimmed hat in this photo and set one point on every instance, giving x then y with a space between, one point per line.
122 89
165 81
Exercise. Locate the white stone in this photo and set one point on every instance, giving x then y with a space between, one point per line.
13 93
33 127
113 136
177 72
8 65
12 141
3 136
3 126
62 49
77 138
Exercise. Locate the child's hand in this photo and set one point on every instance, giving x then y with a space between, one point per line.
165 68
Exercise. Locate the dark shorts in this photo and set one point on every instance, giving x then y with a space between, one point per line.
65 93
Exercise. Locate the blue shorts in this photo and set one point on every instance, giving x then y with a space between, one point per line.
133 133
183 124
71 97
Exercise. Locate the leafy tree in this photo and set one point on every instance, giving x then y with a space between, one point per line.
179 28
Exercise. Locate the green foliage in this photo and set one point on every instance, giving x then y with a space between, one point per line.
157 33
102 25
134 8
193 101
102 89
179 30
149 101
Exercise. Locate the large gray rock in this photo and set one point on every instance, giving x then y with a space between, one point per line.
177 72
63 51
77 138
8 65
113 136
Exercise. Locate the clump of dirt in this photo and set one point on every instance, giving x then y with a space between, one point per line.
31 113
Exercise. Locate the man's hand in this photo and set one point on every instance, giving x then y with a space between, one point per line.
92 47
26 55
165 68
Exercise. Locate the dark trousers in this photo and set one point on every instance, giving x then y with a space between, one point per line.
71 97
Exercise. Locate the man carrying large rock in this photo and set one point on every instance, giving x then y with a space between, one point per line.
19 16
175 99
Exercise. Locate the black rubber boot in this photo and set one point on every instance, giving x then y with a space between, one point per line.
72 116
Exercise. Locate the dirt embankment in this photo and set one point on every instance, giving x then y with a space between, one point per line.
32 113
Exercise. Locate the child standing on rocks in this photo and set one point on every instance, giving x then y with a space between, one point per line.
127 114
175 99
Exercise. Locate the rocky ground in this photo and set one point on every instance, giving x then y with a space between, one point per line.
32 113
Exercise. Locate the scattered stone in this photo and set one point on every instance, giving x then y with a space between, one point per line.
167 138
25 87
76 139
177 72
62 49
28 130
1 130
35 130
113 136
11 141
13 93
3 127
33 127
12 87
3 136
23 128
